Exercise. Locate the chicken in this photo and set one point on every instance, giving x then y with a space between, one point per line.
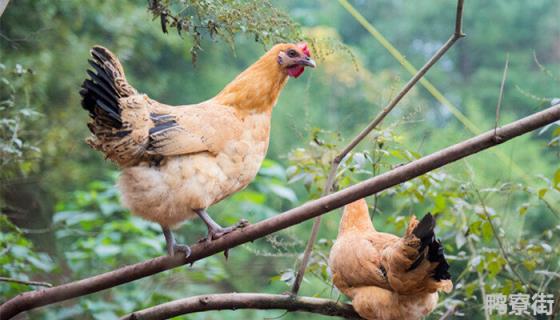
178 161
388 277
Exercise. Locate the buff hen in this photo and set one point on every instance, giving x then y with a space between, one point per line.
177 161
388 277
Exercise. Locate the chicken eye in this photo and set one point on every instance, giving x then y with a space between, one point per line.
292 53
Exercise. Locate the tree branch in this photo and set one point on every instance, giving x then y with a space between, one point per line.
27 282
236 301
311 209
457 34
450 312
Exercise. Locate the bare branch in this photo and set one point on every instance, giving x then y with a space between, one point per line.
479 273
27 282
457 34
556 310
309 210
501 95
236 301
450 312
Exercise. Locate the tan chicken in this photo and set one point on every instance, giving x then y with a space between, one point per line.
178 161
388 277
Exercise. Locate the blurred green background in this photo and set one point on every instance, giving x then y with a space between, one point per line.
61 219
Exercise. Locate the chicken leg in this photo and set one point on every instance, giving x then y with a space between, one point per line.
215 231
173 247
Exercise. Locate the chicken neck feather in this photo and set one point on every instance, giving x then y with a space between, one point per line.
257 88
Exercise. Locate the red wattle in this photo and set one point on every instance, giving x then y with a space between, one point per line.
295 71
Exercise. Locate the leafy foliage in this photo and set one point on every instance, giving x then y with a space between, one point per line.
225 19
19 260
17 141
484 254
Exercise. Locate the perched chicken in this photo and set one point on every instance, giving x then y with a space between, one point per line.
178 161
388 277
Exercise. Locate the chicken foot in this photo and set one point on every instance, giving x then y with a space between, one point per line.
172 246
215 231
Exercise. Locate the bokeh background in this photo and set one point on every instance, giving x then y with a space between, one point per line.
61 218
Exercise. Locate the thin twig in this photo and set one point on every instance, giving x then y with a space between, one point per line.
480 279
501 95
556 310
550 208
33 299
48 229
450 312
27 282
457 34
235 301
505 255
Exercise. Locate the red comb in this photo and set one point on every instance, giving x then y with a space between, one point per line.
303 47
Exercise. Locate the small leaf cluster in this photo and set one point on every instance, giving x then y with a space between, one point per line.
224 19
19 260
17 143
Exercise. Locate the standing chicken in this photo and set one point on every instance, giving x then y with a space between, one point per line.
178 161
388 277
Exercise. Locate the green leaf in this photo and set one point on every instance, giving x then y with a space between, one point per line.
469 289
530 264
287 276
73 217
475 227
542 192
460 239
250 196
104 251
556 180
494 267
523 209
283 192
476 261
272 169
418 195
440 203
487 231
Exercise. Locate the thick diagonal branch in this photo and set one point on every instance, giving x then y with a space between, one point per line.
309 210
234 301
457 34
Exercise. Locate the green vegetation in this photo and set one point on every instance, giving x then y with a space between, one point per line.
61 218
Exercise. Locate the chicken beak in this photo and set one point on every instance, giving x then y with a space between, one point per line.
308 62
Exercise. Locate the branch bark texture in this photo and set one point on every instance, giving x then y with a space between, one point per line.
309 210
457 34
234 301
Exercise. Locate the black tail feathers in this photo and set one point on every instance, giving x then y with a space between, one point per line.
425 229
100 93
436 253
425 232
